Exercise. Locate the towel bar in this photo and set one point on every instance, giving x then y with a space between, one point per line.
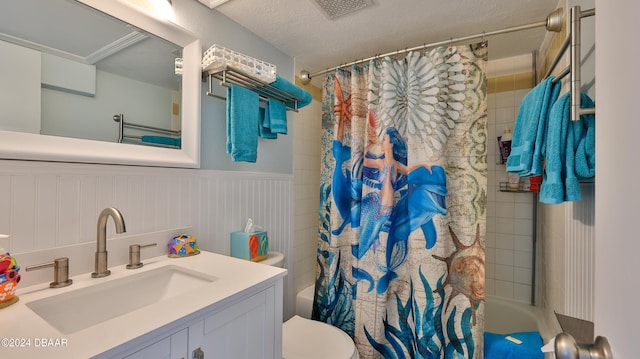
228 75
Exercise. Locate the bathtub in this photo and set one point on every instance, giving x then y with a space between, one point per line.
508 316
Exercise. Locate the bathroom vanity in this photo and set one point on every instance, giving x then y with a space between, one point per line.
203 306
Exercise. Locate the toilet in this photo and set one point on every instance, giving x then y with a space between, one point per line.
304 338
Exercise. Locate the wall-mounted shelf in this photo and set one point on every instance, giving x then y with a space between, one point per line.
522 188
229 75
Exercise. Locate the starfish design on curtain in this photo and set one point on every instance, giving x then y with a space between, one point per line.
342 108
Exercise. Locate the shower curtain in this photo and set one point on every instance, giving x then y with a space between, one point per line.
402 204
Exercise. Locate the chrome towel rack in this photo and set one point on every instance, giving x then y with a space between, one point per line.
122 136
573 41
229 75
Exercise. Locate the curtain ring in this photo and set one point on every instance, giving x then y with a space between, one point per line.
483 39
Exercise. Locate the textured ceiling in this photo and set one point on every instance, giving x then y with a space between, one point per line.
301 30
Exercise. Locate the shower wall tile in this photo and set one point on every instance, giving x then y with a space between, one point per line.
523 210
522 226
504 225
490 285
307 193
522 292
505 257
523 243
522 259
504 289
509 253
505 209
504 241
522 275
504 272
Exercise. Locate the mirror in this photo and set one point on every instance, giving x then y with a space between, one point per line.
118 60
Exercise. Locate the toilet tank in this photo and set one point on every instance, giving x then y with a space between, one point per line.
304 302
275 259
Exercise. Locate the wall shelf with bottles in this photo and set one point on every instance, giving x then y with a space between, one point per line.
523 187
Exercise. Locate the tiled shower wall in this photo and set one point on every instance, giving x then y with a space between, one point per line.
45 205
509 240
307 193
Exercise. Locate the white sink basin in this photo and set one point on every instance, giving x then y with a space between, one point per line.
79 309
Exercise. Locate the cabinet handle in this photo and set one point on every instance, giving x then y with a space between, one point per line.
198 354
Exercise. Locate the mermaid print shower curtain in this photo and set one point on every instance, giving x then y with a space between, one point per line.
402 204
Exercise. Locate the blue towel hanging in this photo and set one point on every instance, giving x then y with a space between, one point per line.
243 119
263 128
277 112
570 152
162 140
297 91
529 134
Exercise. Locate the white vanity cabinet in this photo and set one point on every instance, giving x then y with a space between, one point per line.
204 306
172 347
248 327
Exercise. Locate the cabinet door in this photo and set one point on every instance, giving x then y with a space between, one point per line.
244 330
173 347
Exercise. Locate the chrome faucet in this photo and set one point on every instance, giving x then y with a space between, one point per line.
101 252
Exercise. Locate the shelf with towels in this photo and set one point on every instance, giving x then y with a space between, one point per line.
229 75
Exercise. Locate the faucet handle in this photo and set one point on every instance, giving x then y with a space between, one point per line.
134 255
60 272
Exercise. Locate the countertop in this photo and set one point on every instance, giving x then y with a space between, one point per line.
24 334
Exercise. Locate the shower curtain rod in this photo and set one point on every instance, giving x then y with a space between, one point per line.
552 23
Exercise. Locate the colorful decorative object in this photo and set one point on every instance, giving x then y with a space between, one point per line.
9 278
183 245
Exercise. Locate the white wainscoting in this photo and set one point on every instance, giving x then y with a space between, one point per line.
48 205
580 255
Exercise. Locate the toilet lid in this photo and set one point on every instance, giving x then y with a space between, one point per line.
310 339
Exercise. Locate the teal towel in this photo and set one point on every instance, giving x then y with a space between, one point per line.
161 140
585 157
497 346
529 133
277 116
570 152
263 127
304 97
243 116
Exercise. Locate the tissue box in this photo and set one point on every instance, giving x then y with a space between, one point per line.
251 246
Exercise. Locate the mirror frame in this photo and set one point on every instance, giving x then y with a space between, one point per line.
26 146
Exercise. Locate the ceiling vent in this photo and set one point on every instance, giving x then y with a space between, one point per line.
336 8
